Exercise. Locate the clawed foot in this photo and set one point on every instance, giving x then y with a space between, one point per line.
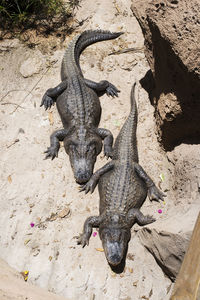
47 101
155 194
136 216
108 152
89 186
51 152
149 219
111 90
83 240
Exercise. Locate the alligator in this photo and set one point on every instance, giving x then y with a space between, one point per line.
123 187
78 104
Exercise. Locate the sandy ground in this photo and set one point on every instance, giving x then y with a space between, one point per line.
44 191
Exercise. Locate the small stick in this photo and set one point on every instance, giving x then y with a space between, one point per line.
15 141
9 103
127 50
11 92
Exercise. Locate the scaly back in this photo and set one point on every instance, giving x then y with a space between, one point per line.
70 62
125 148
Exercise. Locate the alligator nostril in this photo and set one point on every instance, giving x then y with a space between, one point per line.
82 177
115 259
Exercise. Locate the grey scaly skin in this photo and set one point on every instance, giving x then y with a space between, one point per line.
123 187
78 104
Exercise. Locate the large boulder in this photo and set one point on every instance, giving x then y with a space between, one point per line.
172 37
167 248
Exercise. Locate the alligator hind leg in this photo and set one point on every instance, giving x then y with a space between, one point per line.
102 87
153 192
135 216
55 140
87 229
51 95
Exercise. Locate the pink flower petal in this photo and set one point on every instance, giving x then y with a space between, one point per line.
160 211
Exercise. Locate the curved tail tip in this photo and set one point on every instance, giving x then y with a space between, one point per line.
116 34
133 89
120 33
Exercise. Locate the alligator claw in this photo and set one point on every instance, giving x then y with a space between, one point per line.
47 101
149 219
111 90
108 152
82 240
51 153
84 188
155 194
89 186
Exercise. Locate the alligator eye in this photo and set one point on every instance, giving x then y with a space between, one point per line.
71 147
92 147
91 150
121 237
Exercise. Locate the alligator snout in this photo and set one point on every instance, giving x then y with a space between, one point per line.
82 176
83 170
114 260
114 252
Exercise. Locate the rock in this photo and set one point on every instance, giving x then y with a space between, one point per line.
171 32
31 66
65 212
167 248
7 44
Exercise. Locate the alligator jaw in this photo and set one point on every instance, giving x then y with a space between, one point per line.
115 242
114 253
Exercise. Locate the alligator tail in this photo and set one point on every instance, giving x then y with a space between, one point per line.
78 44
133 100
126 143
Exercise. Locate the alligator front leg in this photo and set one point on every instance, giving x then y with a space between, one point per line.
55 140
91 184
107 138
51 95
153 192
135 216
87 229
102 87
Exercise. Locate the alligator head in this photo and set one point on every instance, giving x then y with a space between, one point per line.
115 235
83 147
